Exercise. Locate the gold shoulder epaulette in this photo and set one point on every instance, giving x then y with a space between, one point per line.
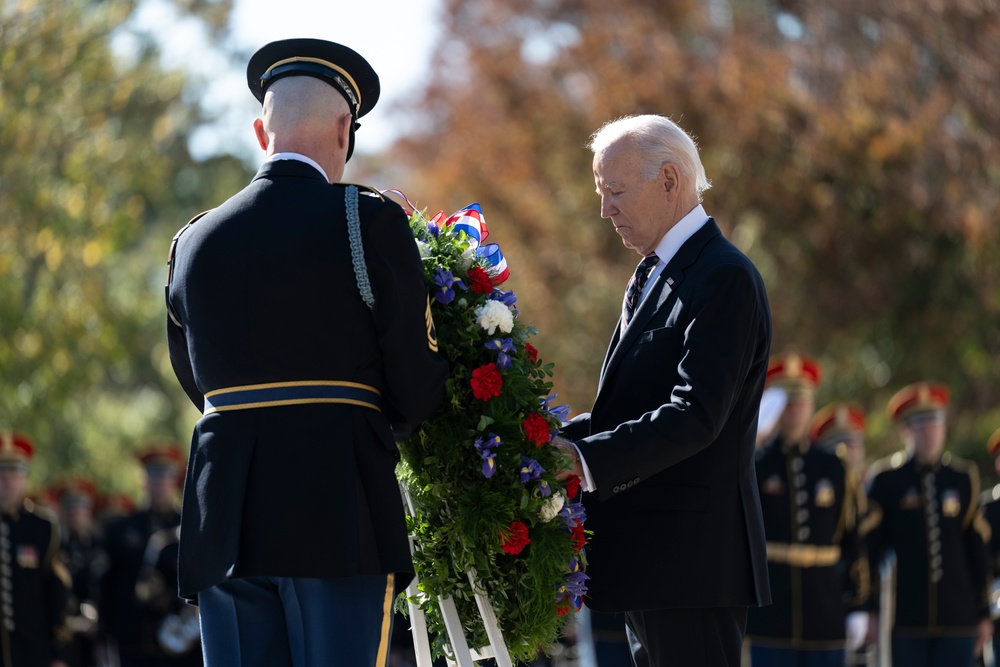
891 462
959 464
366 190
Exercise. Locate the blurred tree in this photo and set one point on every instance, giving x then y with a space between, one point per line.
852 148
95 179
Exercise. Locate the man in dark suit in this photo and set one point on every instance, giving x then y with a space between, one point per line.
667 451
299 322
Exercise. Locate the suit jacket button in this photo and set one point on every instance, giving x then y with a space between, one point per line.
616 489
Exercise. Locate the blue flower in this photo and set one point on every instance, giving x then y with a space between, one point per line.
575 584
433 229
485 447
445 281
531 470
505 347
572 513
506 298
544 488
560 412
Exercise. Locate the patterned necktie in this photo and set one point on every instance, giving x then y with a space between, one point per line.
633 293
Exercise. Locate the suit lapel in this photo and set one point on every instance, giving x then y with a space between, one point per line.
659 292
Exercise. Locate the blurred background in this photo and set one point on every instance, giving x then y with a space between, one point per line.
853 149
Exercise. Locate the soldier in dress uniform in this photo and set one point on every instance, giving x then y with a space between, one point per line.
990 501
810 501
33 583
839 428
299 324
924 506
126 538
82 552
169 623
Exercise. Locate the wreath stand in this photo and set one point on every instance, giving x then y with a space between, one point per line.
462 655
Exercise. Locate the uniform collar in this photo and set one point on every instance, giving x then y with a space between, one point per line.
299 157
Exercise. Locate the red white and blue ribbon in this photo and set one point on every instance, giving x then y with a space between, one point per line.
471 221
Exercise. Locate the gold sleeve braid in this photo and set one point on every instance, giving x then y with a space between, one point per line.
873 520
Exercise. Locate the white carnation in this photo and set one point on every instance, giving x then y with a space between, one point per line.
467 258
552 506
424 248
494 314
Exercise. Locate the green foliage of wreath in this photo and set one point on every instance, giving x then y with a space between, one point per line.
464 518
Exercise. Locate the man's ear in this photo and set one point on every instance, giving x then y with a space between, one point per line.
258 129
671 179
344 131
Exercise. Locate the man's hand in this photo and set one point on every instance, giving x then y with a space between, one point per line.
983 633
569 449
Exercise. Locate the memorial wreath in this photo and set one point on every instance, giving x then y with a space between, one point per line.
481 470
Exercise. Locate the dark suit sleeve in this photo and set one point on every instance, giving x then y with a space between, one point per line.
414 372
577 427
727 321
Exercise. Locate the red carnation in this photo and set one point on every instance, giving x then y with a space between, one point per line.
572 486
481 281
537 429
578 537
532 353
517 538
486 382
561 610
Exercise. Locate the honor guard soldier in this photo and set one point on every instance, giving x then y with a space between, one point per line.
810 503
924 506
169 623
990 501
33 583
299 324
82 552
839 428
121 612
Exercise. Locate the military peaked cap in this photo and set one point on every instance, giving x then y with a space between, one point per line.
341 67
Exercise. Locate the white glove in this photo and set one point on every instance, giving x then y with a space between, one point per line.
857 628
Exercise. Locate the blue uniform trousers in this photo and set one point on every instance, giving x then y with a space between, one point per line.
297 622
933 651
768 656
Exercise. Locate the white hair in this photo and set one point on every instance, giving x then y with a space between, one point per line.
659 141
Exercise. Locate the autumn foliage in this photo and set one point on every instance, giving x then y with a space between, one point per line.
853 152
